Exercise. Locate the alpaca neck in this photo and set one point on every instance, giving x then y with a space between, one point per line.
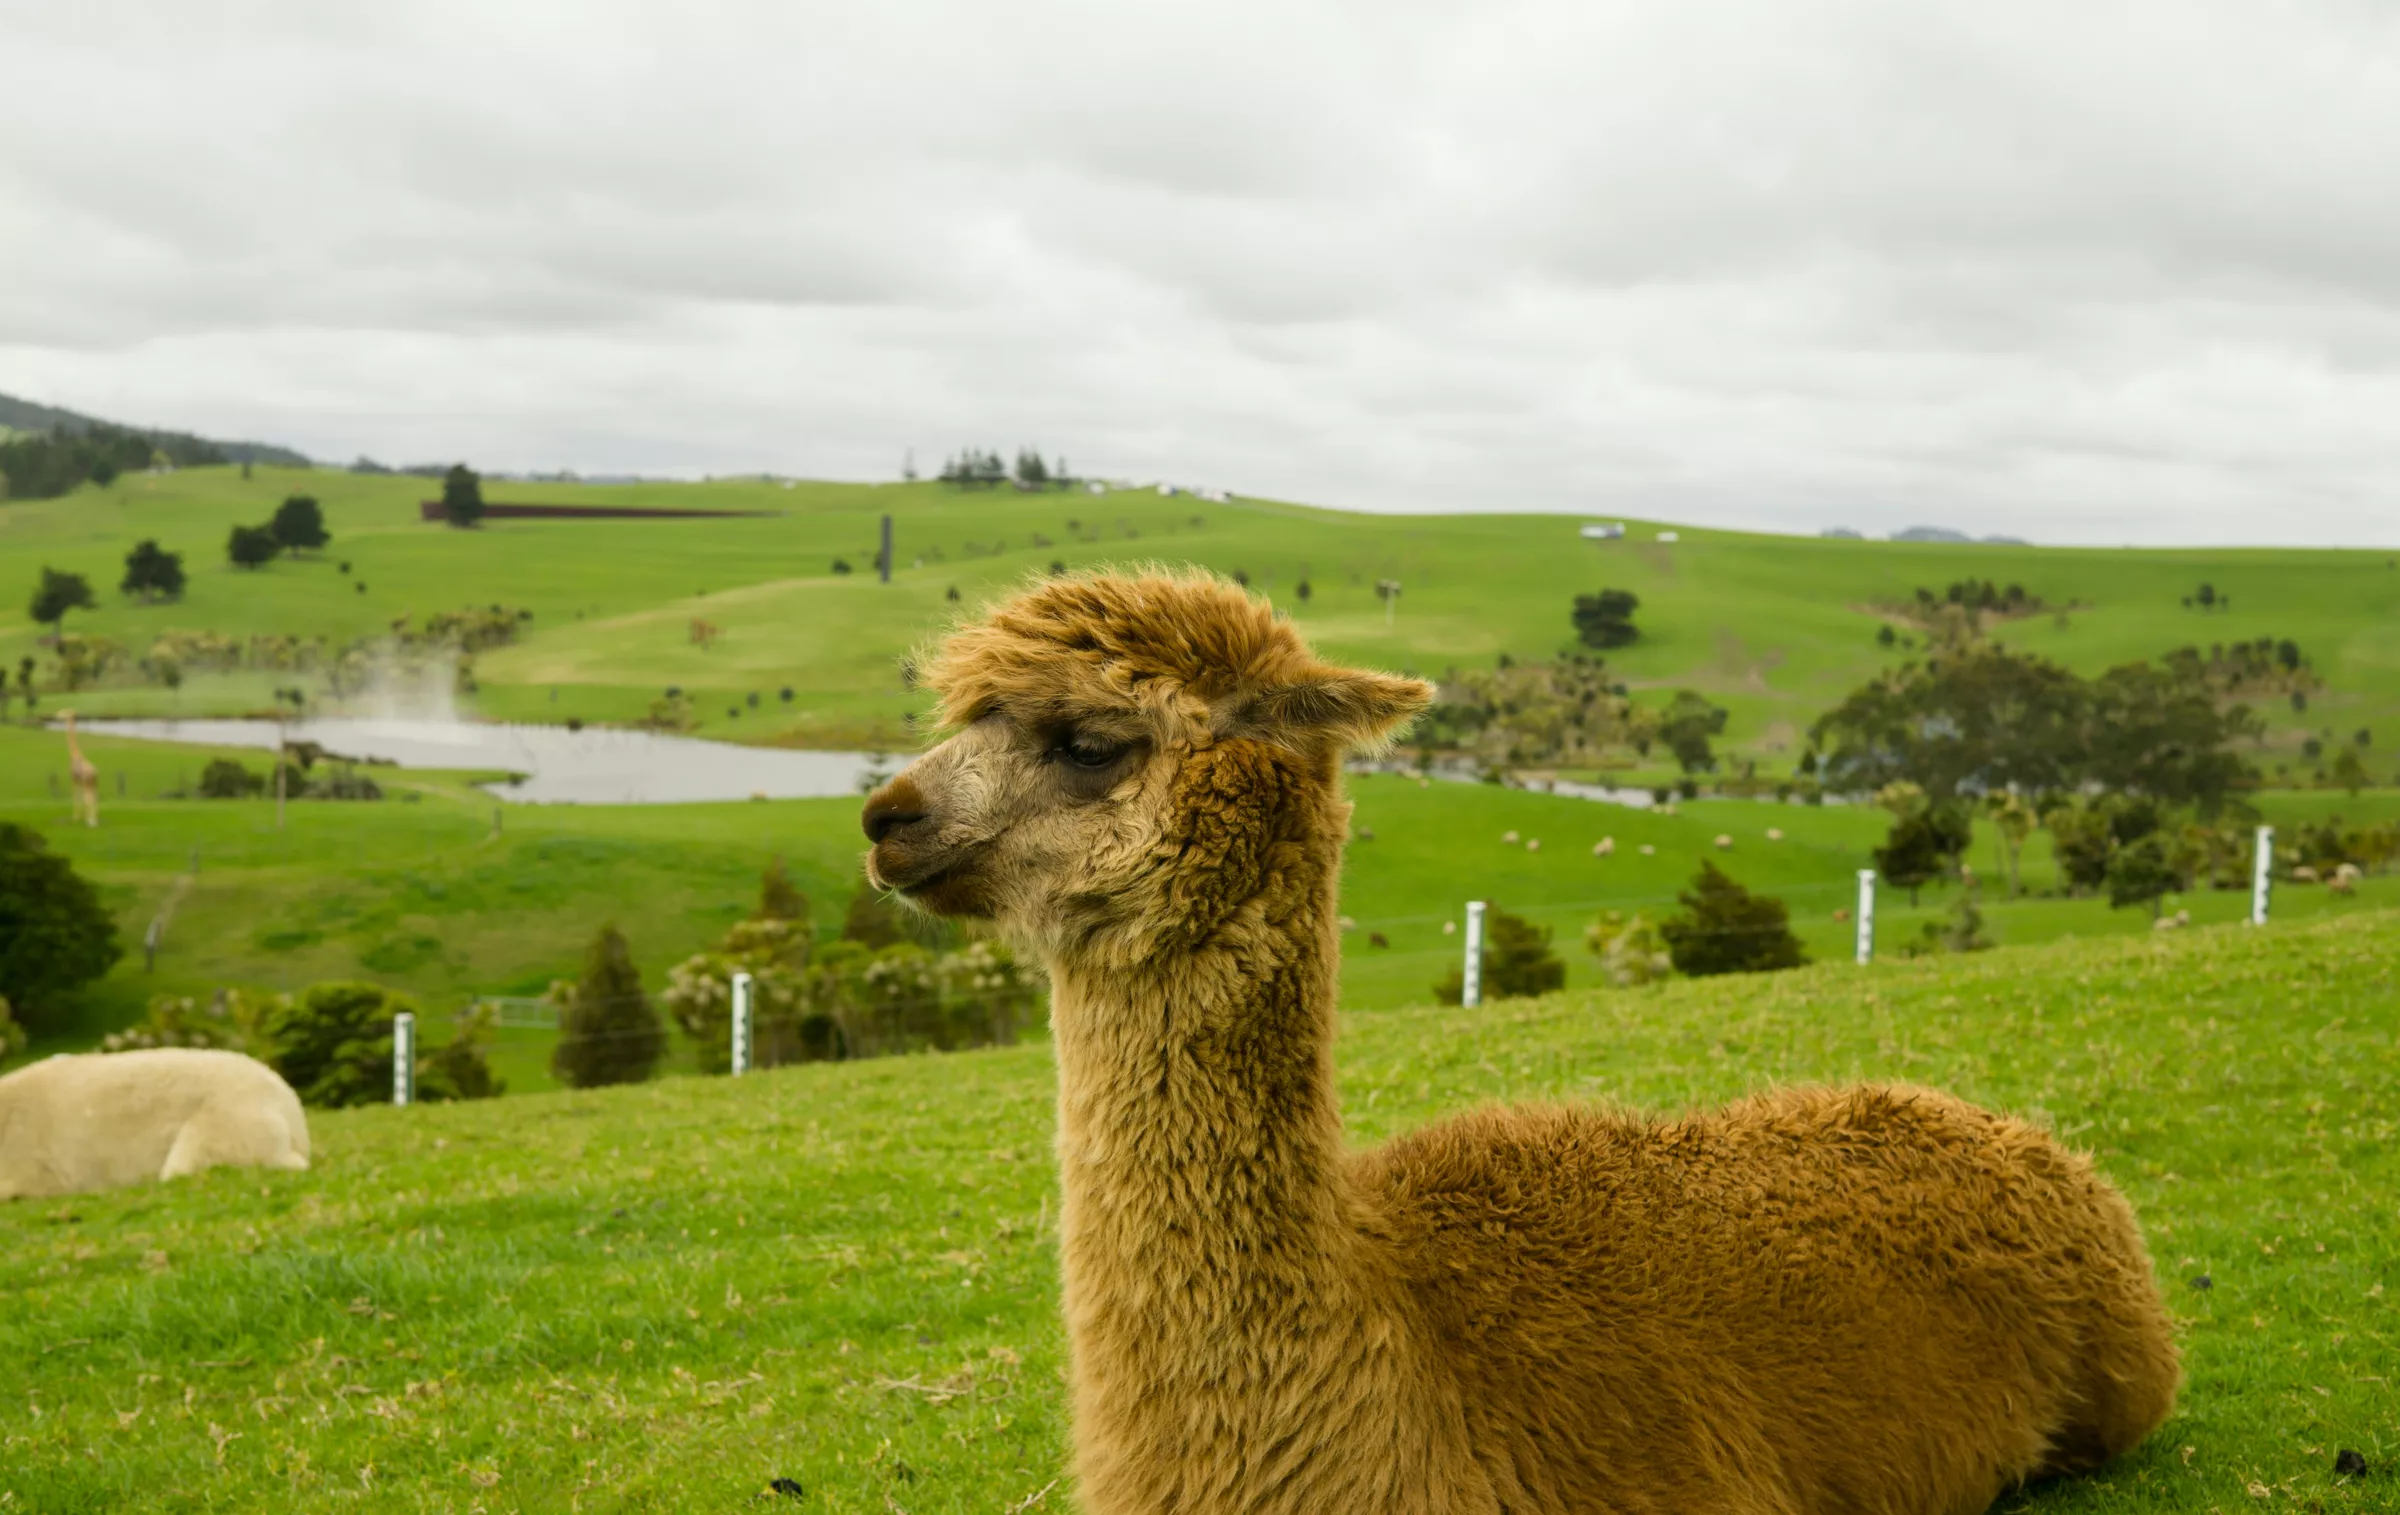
1199 1138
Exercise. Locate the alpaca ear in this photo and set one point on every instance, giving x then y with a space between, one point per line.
1355 709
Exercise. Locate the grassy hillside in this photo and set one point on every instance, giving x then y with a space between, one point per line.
419 892
660 1298
1777 628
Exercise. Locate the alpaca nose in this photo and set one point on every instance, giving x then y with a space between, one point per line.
896 806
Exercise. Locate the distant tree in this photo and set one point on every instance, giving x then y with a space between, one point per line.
778 899
152 573
332 1042
609 1032
1302 590
251 546
55 936
2015 818
1032 472
2162 732
2206 595
55 595
1982 717
1885 636
1724 928
1606 619
841 565
2140 874
299 525
1922 846
1241 577
2287 653
2080 840
462 496
1686 726
2349 771
1517 961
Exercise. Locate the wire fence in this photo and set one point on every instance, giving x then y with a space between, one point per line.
896 1019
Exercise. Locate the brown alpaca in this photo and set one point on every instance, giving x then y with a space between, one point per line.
1857 1300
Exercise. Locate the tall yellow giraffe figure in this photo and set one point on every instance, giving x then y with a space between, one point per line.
86 778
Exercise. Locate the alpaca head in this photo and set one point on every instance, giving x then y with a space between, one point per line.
1126 756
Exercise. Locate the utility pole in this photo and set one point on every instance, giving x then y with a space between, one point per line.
883 559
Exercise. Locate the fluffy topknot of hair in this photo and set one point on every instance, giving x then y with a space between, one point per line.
1076 646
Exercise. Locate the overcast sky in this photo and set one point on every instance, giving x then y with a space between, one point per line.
2081 272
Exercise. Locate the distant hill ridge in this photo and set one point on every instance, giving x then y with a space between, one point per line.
26 416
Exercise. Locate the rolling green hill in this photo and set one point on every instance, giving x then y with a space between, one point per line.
418 892
660 1298
1775 628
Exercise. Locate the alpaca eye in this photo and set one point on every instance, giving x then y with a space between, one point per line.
1084 752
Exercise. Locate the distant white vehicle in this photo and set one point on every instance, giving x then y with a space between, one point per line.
1603 531
1212 496
1095 487
1669 536
1166 489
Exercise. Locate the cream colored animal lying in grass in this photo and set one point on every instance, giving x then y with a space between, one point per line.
71 1124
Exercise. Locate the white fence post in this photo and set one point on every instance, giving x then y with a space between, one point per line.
404 1058
1866 915
2262 875
741 1024
1471 990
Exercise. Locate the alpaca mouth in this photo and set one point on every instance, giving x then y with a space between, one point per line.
940 885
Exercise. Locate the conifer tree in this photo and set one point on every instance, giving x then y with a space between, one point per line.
610 1033
1724 928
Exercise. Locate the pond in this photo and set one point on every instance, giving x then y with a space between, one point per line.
593 766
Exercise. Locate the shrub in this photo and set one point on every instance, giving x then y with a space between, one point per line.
12 1035
228 1020
225 779
1960 931
1724 928
2140 874
458 1068
332 1043
1630 949
778 899
609 1033
1517 960
54 935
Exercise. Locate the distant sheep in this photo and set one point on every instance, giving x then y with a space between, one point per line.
1604 846
1724 842
72 1124
1648 850
2345 879
1534 845
1774 833
2175 922
1509 837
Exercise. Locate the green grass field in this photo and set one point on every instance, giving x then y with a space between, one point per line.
1776 628
419 893
660 1298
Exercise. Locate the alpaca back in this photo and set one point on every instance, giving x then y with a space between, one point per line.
76 1123
1867 1300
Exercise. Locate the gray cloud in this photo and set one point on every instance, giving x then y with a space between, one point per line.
2077 273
